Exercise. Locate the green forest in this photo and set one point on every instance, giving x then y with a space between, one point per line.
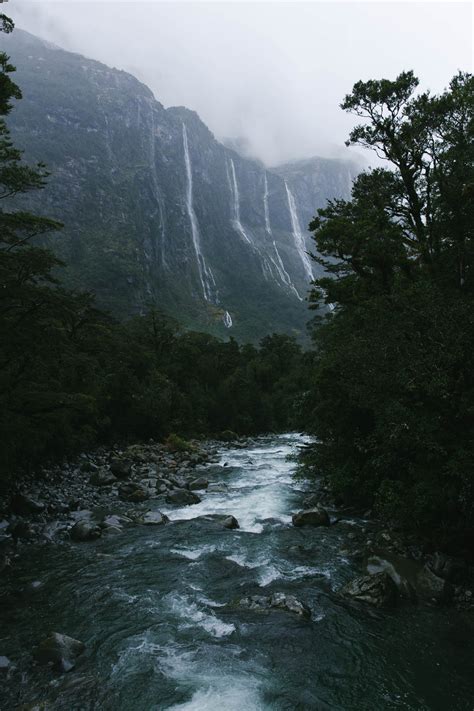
387 388
391 390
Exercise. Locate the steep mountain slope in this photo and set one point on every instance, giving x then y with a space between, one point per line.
157 211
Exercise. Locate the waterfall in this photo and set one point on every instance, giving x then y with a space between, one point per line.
227 320
206 276
237 224
278 264
298 235
236 205
157 193
265 205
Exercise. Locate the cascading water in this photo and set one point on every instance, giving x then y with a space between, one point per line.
206 276
228 323
265 204
237 224
279 266
298 235
157 193
236 205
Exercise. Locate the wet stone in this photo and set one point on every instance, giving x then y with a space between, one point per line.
60 650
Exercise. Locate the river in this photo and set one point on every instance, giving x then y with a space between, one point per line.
151 604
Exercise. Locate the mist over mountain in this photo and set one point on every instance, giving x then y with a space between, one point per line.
156 210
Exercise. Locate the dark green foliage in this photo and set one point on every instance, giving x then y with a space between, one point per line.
78 378
391 399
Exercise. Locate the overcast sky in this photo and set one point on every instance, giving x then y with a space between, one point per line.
273 73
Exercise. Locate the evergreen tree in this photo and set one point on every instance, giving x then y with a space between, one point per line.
392 383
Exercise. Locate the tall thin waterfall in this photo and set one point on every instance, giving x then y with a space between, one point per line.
236 205
278 264
298 235
227 320
205 274
237 224
265 205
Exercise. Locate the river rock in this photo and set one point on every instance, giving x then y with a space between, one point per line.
153 518
217 470
102 477
182 497
378 590
198 484
24 505
133 492
230 522
316 516
431 587
60 650
5 664
163 484
85 531
277 601
122 468
403 571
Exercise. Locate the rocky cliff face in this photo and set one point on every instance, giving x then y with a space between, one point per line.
156 211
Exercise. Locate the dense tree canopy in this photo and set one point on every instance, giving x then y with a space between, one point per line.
392 389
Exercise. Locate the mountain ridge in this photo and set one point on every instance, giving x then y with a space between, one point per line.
157 211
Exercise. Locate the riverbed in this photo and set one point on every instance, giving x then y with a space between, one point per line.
155 607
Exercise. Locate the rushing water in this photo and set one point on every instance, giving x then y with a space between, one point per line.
150 604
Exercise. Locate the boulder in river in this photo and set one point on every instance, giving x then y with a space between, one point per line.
277 601
230 522
182 497
403 571
316 516
122 468
60 650
85 531
5 663
431 587
153 518
133 492
378 590
102 477
198 484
